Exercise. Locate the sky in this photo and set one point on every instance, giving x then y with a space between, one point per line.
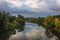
31 8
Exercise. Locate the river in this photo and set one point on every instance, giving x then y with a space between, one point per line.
33 32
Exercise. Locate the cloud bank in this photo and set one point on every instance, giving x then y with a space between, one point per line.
39 7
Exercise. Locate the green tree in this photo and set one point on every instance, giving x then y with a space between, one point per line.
57 24
11 22
21 22
4 18
49 22
39 21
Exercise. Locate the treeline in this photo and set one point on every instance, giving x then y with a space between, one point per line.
52 22
8 22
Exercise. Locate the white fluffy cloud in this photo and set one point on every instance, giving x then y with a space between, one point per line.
58 2
16 3
36 4
32 4
29 3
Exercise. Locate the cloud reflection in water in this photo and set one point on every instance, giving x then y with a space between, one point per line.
31 33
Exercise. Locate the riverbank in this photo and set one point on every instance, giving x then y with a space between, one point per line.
48 22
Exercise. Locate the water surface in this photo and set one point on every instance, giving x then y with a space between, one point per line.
33 32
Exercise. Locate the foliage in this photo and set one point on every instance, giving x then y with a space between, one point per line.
57 24
51 22
8 21
37 20
48 22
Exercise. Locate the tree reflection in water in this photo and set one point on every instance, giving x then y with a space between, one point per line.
52 33
4 35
